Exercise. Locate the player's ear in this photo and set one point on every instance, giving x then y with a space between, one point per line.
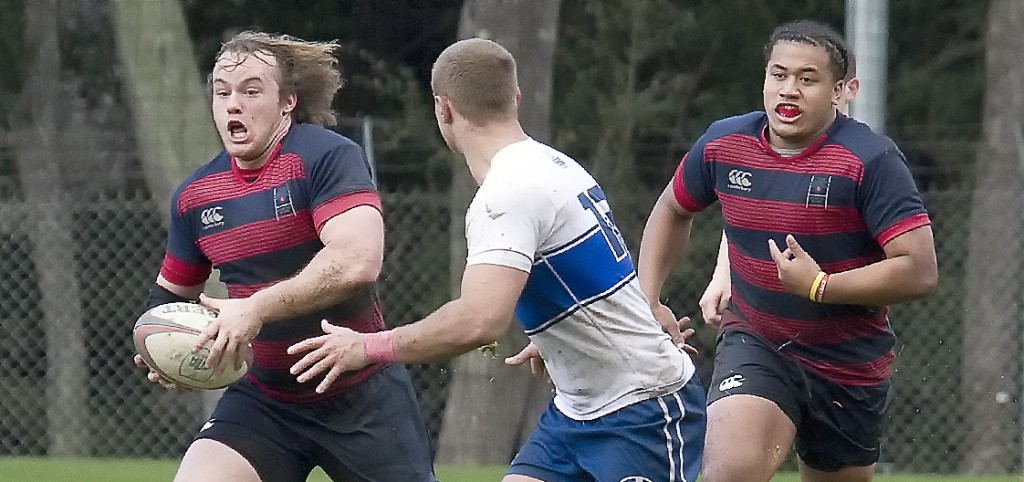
519 98
443 109
289 104
852 87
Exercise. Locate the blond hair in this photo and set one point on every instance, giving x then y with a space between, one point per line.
478 77
307 69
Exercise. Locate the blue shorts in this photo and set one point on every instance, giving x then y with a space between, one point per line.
372 433
657 440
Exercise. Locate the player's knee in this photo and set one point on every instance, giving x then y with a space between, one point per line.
739 463
209 460
734 471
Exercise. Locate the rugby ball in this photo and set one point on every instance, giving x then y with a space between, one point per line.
164 337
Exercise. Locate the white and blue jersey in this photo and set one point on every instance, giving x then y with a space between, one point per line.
540 212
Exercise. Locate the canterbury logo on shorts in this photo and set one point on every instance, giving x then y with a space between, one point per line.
730 383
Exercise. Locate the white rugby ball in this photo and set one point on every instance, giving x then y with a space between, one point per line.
164 336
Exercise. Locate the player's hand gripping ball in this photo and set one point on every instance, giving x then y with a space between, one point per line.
164 337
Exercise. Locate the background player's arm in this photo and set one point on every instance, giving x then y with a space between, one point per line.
665 237
716 295
909 272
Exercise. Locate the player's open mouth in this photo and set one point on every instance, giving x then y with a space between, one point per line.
788 111
237 131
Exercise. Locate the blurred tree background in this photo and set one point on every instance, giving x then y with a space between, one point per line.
636 81
633 84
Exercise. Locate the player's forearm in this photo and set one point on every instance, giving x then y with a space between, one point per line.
455 328
894 280
332 276
722 262
665 237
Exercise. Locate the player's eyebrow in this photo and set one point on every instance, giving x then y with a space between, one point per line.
808 69
247 80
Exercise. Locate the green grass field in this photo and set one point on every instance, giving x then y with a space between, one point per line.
20 469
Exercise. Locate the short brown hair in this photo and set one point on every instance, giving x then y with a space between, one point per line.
307 69
478 77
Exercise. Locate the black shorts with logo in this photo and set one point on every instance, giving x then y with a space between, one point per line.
372 433
837 425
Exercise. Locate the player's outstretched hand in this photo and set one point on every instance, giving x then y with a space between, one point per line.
232 331
155 377
532 354
715 299
796 268
676 328
338 351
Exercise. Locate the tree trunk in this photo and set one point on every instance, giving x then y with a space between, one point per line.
992 334
174 124
490 406
38 150
166 92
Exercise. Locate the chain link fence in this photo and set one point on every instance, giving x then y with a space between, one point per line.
116 245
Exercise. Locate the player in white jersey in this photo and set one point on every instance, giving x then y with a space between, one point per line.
543 244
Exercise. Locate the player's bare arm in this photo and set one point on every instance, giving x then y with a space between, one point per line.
481 315
351 258
665 238
716 295
909 272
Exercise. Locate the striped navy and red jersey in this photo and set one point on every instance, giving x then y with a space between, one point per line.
842 198
261 228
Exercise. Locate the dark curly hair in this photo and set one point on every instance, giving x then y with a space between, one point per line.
818 34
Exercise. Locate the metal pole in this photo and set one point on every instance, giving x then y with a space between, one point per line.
867 31
1019 142
368 147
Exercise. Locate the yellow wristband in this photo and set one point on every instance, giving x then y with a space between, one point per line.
814 285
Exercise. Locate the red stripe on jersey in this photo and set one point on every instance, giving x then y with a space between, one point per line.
327 210
790 218
830 331
341 385
864 374
258 237
902 226
273 354
760 273
746 151
764 274
679 190
183 274
245 291
228 185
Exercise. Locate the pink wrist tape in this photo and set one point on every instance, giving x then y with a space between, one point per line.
380 346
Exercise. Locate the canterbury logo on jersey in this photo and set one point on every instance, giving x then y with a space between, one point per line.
739 180
212 217
731 382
